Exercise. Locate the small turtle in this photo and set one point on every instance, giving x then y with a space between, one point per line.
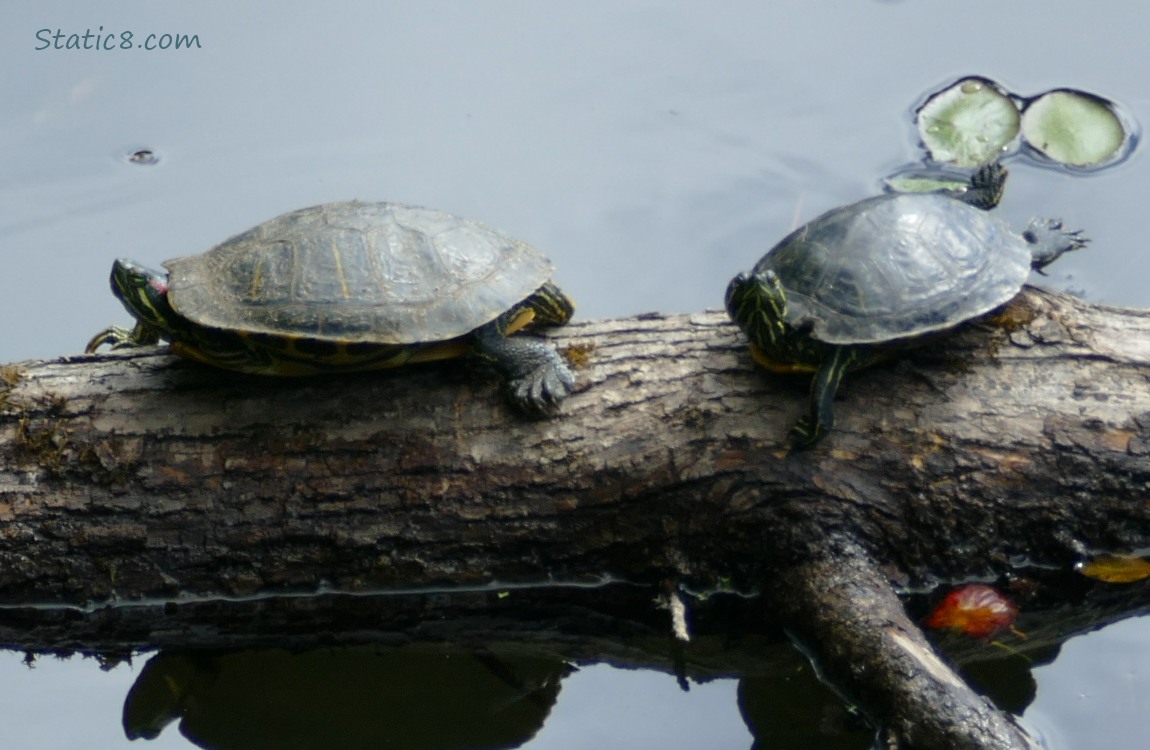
842 291
354 286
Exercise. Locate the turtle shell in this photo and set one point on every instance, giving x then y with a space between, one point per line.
896 266
381 273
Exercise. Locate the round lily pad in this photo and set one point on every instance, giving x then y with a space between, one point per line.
1075 128
968 123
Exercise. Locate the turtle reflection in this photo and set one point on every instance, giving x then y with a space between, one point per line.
347 698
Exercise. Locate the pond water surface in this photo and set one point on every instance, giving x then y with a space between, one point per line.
652 149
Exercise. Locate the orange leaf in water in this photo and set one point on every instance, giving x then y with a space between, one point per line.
1116 569
976 609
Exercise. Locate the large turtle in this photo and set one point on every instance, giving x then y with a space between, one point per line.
842 291
354 286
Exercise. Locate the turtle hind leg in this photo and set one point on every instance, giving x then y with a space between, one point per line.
986 185
537 377
819 421
548 306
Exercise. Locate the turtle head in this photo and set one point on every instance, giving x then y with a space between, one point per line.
758 303
144 293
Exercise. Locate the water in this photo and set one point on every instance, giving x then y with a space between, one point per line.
1097 693
650 148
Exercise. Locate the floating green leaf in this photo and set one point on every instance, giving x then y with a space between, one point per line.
925 184
968 123
1072 127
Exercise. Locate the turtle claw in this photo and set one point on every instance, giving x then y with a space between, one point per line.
542 389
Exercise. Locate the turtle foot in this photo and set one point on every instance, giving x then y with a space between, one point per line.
806 434
986 186
538 379
1048 241
116 338
542 389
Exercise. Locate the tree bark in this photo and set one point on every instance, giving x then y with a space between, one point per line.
1024 438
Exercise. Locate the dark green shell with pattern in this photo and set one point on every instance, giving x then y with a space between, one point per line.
896 266
380 273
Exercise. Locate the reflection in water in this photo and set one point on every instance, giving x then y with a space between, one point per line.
797 713
427 694
407 697
441 697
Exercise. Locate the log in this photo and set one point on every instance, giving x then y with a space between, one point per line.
1022 439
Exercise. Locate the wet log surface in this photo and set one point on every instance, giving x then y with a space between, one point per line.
1022 439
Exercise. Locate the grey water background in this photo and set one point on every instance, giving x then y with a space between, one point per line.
652 149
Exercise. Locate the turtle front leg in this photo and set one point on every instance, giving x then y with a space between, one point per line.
537 376
813 427
123 338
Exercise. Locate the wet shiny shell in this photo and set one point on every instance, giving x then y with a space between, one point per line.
381 273
896 266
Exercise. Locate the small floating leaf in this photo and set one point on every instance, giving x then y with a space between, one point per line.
916 184
1116 569
969 123
977 610
1073 127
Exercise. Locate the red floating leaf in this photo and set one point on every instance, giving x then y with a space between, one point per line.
975 609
